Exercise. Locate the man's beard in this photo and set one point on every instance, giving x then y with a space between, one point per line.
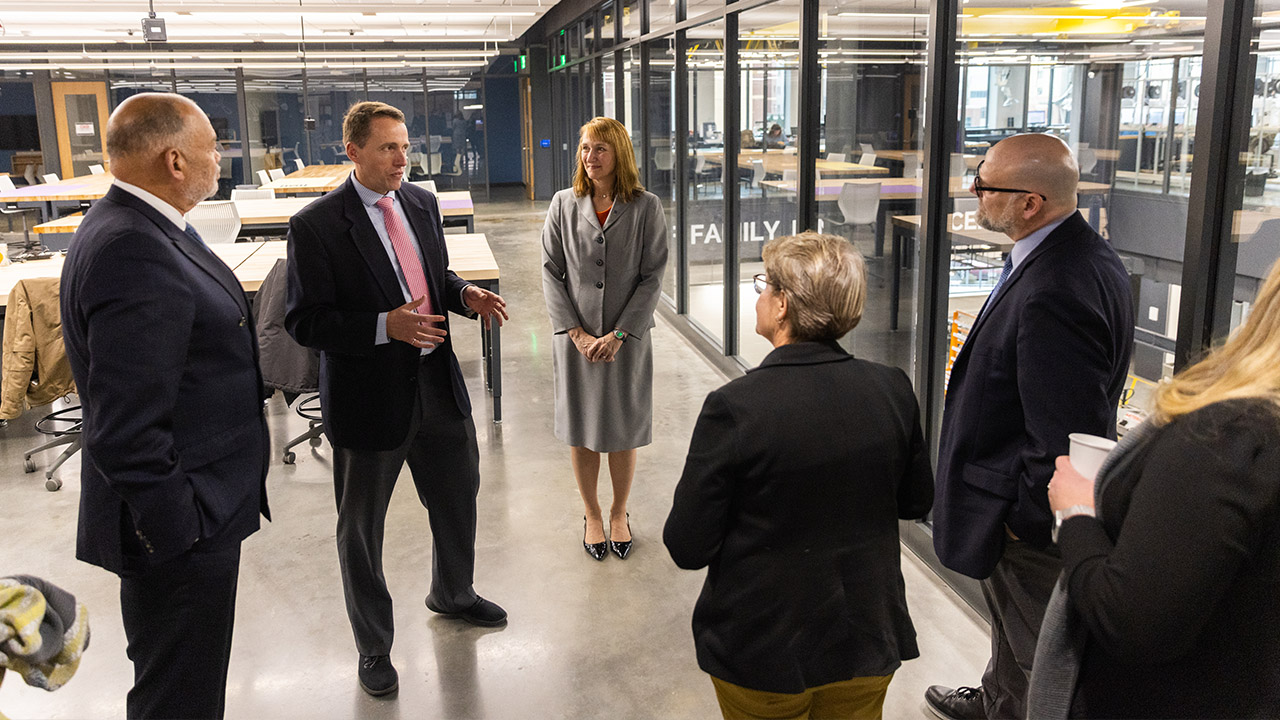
1006 221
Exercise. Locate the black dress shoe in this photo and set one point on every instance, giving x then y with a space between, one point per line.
377 675
963 703
482 613
595 550
622 549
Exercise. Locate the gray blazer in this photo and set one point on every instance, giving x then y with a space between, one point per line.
603 285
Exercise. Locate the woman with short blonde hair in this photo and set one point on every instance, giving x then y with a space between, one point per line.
796 478
604 250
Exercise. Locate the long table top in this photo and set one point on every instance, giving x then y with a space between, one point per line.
453 203
311 179
904 188
776 161
85 187
469 257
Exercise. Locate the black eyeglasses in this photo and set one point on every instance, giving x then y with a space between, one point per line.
759 282
979 188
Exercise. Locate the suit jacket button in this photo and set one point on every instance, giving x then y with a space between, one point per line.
242 321
599 263
600 239
599 286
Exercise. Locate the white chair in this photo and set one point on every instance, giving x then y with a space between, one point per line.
254 194
30 174
868 158
276 173
859 204
217 222
50 178
836 157
790 176
664 159
910 164
298 164
97 170
867 147
1088 160
263 177
757 172
6 183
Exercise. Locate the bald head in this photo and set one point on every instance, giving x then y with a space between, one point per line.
145 124
164 144
1036 162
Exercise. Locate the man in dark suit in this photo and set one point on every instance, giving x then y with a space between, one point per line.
368 271
1047 357
158 335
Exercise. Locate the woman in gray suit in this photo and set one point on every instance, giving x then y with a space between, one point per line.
604 249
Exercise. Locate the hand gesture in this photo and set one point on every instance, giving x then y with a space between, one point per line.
489 306
406 325
604 348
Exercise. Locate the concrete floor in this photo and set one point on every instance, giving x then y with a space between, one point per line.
585 639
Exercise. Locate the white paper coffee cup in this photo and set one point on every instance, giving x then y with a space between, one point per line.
1088 452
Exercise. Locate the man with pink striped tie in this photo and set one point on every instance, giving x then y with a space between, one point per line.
369 285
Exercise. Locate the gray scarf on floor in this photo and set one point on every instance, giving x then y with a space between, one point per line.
1063 633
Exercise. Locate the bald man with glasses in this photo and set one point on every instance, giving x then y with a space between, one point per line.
1047 356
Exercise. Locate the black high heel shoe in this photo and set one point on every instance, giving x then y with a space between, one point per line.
622 549
595 550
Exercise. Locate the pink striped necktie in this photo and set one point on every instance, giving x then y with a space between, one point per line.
410 265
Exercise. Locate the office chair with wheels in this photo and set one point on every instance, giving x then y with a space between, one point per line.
287 366
308 408
36 370
64 426
217 221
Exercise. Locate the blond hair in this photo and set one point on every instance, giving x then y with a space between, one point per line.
1247 366
824 279
626 176
358 122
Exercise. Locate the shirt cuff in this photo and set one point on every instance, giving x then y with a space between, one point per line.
380 335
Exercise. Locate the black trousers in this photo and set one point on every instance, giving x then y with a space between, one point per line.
1017 594
178 620
444 461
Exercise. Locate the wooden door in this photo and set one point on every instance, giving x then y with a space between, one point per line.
80 117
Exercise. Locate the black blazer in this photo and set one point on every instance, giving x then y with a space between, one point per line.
162 347
1178 584
1047 358
340 279
796 477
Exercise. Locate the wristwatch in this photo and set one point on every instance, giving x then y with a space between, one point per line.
620 335
1061 515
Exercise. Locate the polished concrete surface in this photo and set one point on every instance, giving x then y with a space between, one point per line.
585 639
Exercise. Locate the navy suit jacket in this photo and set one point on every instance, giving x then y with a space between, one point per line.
1047 358
163 350
796 477
340 279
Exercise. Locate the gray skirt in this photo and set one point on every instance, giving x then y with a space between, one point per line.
604 407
